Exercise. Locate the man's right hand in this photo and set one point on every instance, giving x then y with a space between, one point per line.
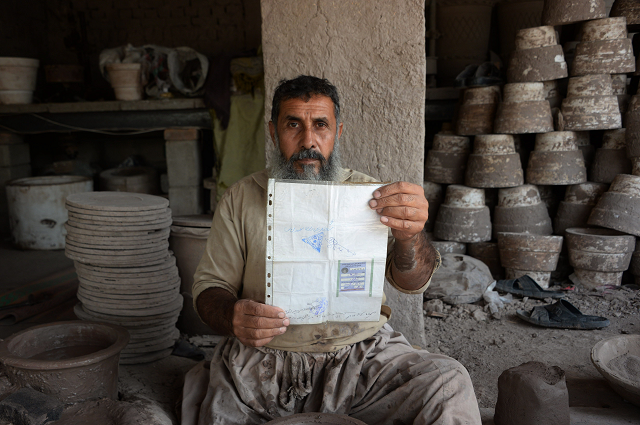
255 324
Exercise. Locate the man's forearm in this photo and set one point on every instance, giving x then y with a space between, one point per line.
413 262
215 306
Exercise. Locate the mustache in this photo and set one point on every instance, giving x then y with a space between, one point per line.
308 154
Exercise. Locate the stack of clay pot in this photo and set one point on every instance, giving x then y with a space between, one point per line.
605 48
533 255
583 141
488 253
524 110
619 207
564 12
599 256
556 160
537 57
611 159
463 217
494 163
520 210
590 104
434 194
478 111
578 202
449 247
619 86
447 159
127 275
630 9
632 124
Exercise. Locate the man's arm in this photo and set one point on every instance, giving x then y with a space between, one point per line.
403 207
253 323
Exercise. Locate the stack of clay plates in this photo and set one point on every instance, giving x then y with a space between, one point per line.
127 275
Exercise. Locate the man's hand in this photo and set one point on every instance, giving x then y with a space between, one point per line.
402 207
255 324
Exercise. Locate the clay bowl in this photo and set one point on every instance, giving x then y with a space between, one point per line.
316 419
610 348
71 361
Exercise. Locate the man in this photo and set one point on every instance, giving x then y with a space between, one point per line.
268 368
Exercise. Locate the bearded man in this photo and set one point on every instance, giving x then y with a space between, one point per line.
267 368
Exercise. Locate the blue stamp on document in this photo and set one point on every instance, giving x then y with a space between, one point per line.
319 306
352 276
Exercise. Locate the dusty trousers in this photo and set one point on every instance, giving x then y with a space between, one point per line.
381 380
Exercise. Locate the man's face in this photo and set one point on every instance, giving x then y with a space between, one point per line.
305 129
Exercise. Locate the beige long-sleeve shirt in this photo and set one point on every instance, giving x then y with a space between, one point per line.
234 260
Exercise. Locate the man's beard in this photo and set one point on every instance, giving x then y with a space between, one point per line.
329 169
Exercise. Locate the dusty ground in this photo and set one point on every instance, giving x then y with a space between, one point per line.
490 346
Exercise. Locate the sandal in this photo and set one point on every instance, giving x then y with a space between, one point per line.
562 314
527 287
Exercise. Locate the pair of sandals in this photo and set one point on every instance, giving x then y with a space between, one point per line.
561 314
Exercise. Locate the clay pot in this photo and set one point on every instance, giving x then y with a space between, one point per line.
619 207
130 179
599 256
556 160
590 104
488 253
523 253
464 27
126 80
512 17
71 361
611 159
563 12
494 163
605 49
584 144
578 202
463 217
537 57
630 9
449 247
632 122
447 159
524 110
434 195
520 210
478 111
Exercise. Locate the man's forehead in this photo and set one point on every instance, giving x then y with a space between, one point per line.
315 105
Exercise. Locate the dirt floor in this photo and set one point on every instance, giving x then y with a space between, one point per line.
487 346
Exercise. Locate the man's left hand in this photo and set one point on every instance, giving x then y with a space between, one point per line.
403 207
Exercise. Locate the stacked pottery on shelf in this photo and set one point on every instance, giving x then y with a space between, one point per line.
494 163
564 12
619 207
599 256
619 84
590 104
611 159
434 194
632 123
478 111
521 210
556 160
531 254
128 277
463 216
630 9
449 247
524 110
446 161
537 57
578 202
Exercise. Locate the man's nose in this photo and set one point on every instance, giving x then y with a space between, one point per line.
308 140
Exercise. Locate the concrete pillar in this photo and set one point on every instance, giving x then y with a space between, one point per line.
374 52
184 170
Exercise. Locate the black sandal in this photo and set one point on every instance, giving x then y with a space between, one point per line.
562 314
527 287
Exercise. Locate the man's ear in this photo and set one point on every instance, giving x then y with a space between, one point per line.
339 130
272 132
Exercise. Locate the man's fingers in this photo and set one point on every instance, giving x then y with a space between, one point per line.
253 308
404 213
398 187
257 322
404 225
397 199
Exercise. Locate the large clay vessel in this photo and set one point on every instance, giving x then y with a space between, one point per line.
494 163
535 255
521 210
447 159
478 111
605 48
556 160
590 104
578 202
611 159
619 207
463 217
537 57
599 256
524 110
563 12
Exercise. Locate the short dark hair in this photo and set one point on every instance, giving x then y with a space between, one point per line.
303 87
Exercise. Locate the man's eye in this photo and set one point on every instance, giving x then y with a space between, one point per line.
322 124
293 124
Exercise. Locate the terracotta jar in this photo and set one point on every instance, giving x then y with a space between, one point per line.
524 110
556 160
463 217
494 163
537 57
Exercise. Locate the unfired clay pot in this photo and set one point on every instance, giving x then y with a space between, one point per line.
524 110
521 210
590 104
447 159
599 256
611 159
434 194
494 163
523 253
537 57
632 124
449 247
463 217
578 202
478 111
630 9
563 12
488 253
619 207
556 160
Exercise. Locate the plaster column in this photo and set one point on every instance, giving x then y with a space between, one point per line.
374 52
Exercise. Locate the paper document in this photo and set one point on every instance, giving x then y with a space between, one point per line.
326 251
